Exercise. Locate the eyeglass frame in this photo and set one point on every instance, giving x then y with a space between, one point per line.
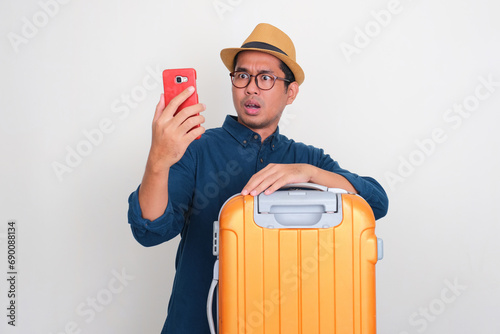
256 81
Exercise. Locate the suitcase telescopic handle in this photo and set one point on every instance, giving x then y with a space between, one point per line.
215 280
210 299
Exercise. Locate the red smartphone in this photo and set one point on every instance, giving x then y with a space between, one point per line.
177 80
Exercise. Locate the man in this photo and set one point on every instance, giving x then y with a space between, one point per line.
187 181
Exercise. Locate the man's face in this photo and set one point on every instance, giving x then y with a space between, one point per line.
260 110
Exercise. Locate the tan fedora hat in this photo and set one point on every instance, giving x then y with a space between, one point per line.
269 39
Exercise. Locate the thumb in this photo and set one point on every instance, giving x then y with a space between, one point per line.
159 108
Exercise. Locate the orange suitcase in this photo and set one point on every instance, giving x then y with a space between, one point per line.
296 261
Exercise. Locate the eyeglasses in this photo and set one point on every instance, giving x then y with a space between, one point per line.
264 81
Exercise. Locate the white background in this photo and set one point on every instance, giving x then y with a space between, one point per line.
70 67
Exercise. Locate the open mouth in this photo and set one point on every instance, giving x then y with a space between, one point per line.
252 106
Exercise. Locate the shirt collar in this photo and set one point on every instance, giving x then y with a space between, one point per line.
244 135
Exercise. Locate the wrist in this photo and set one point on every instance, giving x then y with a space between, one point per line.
314 174
156 165
331 180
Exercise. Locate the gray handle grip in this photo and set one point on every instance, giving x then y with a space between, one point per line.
313 186
305 185
299 205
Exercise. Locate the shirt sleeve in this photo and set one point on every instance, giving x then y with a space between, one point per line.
367 187
170 224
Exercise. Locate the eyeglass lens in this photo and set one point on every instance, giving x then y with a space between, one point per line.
263 80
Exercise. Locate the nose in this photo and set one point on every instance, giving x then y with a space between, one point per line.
252 88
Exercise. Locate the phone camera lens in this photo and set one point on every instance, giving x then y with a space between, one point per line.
178 79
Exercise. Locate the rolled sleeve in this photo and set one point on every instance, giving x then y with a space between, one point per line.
172 221
151 233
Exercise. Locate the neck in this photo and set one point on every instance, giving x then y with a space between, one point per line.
264 133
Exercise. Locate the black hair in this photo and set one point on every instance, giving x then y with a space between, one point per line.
288 74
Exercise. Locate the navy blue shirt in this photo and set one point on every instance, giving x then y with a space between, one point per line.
214 168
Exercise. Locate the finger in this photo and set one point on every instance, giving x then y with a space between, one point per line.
190 111
175 103
260 181
274 177
251 184
269 185
291 173
191 121
178 121
276 185
195 133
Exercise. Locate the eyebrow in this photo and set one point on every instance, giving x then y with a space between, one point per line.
243 69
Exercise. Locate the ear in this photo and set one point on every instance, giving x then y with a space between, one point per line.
293 90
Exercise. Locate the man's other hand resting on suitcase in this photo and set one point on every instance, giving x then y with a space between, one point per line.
275 176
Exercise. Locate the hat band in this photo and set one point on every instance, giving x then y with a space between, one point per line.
264 46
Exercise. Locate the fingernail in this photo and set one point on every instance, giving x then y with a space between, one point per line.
191 89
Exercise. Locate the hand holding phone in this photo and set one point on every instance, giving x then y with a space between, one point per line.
171 136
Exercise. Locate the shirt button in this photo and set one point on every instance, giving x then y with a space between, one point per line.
244 142
261 160
256 137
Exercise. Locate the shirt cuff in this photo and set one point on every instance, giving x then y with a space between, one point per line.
157 226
